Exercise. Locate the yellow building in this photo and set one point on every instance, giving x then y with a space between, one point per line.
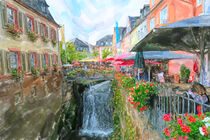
28 36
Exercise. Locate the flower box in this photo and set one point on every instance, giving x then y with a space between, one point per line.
33 36
14 30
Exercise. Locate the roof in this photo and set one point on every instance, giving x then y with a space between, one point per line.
133 21
40 6
161 55
105 41
79 43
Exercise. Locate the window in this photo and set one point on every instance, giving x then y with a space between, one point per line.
13 60
153 2
11 15
29 24
42 29
164 16
53 34
45 59
199 2
152 23
32 60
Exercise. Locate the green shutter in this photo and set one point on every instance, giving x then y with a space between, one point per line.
29 61
38 61
36 26
42 60
3 11
1 64
25 25
47 31
20 19
8 65
23 61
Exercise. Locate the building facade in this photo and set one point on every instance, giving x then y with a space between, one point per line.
28 36
80 45
104 43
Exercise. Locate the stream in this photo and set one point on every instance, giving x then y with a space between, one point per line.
97 114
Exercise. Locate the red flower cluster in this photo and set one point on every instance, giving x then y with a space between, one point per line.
139 93
167 132
204 129
14 30
167 117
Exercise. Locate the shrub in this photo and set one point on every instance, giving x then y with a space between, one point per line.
184 72
35 72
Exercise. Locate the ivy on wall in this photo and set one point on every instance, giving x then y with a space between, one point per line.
123 128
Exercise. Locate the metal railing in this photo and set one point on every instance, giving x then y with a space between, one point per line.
172 102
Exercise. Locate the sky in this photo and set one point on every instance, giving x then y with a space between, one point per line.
90 20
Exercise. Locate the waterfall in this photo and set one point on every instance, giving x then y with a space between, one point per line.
97 113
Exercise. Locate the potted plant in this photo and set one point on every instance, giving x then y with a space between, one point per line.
46 70
17 74
14 30
54 42
33 36
185 73
45 39
35 72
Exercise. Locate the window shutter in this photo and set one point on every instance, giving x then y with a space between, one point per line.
49 60
3 13
42 60
38 61
25 25
29 61
57 60
8 65
47 31
20 19
1 64
36 27
50 36
56 35
23 61
40 30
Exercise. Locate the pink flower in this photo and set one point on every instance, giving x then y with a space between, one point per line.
166 131
185 138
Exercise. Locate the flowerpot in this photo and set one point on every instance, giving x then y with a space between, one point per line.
176 78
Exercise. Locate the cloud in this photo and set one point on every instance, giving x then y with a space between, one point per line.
92 19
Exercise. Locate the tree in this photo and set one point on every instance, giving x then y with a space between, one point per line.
71 53
106 52
95 54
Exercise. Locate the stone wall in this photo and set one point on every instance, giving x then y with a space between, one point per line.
139 120
31 109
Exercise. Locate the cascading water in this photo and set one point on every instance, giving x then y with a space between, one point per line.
97 113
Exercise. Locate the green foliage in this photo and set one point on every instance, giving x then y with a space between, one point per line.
35 72
55 67
45 68
72 73
95 54
17 74
106 52
185 72
71 53
121 115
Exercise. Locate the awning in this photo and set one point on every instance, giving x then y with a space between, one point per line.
119 58
161 55
173 37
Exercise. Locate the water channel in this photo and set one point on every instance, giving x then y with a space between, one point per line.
97 114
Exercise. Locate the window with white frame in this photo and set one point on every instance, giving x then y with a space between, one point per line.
199 2
152 23
11 15
164 16
153 2
13 60
32 60
29 24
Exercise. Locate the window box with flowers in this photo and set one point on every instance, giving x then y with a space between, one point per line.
14 30
54 42
44 39
33 36
17 74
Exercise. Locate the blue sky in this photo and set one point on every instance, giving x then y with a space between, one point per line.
90 20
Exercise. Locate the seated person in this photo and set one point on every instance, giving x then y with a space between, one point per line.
198 93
